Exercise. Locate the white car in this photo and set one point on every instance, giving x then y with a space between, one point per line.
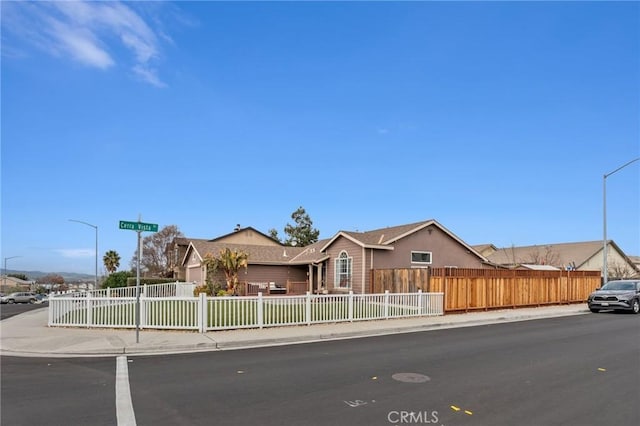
20 297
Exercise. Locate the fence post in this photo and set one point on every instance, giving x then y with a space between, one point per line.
260 310
144 290
386 304
108 292
52 306
308 308
420 302
351 305
89 310
202 312
143 309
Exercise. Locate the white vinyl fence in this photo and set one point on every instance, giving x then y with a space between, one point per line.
223 313
172 289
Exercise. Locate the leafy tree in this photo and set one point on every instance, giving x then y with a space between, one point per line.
230 262
117 279
302 233
273 233
22 277
111 261
156 256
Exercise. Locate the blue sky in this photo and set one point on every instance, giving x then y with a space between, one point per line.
498 119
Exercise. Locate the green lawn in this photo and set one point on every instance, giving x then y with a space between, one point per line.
232 313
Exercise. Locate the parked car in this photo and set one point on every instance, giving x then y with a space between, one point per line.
23 297
42 298
621 295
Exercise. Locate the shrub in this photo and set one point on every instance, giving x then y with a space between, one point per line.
117 279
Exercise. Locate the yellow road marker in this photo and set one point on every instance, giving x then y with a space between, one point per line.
240 371
454 408
468 412
602 369
374 378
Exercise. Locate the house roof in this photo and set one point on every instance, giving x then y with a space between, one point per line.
237 230
257 254
564 254
383 238
311 253
539 267
482 248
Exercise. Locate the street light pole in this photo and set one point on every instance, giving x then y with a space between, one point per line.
4 278
604 218
95 285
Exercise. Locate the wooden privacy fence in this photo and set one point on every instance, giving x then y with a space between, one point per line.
473 289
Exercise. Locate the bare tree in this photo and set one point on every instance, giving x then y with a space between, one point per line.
155 259
619 271
547 256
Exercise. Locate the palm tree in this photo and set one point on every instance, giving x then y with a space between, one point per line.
230 261
111 261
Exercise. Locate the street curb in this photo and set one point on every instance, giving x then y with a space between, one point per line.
270 342
256 343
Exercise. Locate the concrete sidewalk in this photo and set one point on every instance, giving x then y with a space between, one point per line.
28 334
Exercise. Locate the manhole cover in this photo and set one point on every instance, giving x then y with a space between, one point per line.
410 377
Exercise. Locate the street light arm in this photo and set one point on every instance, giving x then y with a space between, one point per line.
605 242
86 223
95 285
622 167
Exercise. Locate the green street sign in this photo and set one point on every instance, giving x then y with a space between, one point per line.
139 226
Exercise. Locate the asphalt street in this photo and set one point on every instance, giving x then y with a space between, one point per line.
8 310
578 370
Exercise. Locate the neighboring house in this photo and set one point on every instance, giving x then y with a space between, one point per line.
636 261
580 256
180 245
341 263
8 282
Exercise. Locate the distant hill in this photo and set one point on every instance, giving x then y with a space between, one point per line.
68 276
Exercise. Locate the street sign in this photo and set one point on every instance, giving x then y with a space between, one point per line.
139 226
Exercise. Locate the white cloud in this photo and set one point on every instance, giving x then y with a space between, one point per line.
81 45
148 75
76 253
90 33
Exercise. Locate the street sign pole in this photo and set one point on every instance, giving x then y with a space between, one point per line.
138 288
139 227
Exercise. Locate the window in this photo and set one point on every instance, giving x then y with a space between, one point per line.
421 257
343 270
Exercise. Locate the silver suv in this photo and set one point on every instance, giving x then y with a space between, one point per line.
618 295
24 297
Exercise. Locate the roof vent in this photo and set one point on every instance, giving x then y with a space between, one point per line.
237 228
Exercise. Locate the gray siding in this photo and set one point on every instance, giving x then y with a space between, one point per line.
355 252
278 274
445 251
